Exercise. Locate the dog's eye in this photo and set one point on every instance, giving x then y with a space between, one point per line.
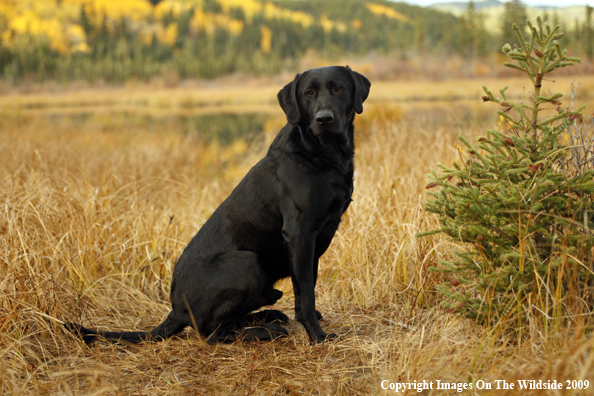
310 92
337 88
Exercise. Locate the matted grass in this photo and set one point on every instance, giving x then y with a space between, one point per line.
92 222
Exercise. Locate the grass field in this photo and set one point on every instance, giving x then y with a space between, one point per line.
93 218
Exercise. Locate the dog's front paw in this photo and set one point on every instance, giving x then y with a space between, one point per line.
331 337
323 337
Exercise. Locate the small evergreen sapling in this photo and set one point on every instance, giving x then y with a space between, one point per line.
524 218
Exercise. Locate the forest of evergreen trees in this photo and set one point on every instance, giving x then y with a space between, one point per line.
208 38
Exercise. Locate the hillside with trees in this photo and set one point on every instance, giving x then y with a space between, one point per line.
66 40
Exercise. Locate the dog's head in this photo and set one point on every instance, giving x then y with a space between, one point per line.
324 98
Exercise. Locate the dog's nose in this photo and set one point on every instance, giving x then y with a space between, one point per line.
324 117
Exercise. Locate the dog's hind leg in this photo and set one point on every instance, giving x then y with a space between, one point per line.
236 286
266 316
260 332
268 297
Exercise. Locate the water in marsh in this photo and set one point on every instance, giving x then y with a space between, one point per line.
222 127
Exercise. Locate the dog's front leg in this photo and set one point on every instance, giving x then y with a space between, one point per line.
301 242
304 287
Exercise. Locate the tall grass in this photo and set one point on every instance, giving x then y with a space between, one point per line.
92 222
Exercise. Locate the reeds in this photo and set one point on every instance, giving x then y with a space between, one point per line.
92 222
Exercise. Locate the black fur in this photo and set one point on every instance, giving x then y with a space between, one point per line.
277 223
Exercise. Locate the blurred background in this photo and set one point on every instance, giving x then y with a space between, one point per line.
213 67
142 40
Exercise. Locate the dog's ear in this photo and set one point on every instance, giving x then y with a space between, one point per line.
362 86
287 98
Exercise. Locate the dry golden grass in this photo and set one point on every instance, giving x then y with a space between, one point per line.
229 94
92 221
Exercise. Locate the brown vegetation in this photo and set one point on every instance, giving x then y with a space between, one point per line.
92 221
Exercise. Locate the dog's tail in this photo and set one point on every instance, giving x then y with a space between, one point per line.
170 327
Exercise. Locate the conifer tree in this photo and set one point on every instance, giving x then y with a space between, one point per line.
473 39
588 34
521 216
514 11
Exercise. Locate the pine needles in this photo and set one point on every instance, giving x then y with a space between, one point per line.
522 218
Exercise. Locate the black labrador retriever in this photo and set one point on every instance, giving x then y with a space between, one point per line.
277 223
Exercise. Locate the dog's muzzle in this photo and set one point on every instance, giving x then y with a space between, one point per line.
324 118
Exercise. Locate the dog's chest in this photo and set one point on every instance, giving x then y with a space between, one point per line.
340 193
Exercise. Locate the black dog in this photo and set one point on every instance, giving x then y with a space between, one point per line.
277 223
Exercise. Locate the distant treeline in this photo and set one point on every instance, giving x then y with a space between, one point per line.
207 38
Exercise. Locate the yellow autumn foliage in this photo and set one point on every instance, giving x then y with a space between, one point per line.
208 22
380 9
169 34
326 23
135 10
273 12
266 39
200 21
235 26
81 47
42 18
249 7
29 23
56 20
